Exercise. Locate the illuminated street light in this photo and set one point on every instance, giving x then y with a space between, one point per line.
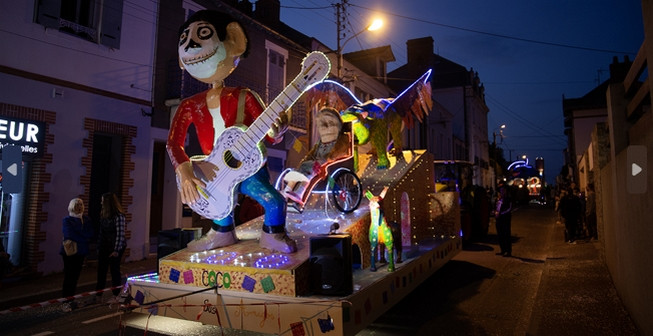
494 147
494 133
375 25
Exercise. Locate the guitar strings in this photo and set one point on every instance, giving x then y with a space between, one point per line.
228 156
247 138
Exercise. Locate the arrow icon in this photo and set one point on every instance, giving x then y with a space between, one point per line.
13 169
635 169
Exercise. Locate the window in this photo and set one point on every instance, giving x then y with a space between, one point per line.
276 70
276 74
98 21
12 221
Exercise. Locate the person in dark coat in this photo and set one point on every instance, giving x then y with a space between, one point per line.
78 228
570 209
503 214
111 244
590 212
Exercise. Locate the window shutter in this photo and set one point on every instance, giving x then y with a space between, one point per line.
111 23
277 68
48 13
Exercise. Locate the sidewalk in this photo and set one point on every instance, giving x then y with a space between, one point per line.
30 291
576 295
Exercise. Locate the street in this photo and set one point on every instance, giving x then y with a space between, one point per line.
548 287
89 320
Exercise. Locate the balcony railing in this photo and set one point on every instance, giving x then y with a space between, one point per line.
78 30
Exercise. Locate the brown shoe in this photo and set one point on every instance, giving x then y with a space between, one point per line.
213 239
278 242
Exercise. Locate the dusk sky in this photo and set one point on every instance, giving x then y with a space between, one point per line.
528 54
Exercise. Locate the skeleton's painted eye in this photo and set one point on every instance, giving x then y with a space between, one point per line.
204 32
183 37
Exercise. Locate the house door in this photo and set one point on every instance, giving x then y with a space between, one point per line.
106 168
156 206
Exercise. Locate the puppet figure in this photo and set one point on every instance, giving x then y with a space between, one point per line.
380 232
377 117
334 144
210 46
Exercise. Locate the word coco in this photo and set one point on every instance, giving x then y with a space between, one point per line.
212 278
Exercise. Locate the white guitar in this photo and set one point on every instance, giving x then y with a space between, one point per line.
237 155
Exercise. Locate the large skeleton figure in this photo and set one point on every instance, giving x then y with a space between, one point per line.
210 46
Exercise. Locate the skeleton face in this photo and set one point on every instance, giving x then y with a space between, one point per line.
200 50
328 126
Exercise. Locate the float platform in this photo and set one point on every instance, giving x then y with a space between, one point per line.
246 287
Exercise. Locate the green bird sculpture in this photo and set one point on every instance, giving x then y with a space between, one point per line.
376 119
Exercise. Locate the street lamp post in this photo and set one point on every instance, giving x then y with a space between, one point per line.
375 25
494 134
494 147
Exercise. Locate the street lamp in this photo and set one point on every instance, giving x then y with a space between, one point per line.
494 146
375 25
494 134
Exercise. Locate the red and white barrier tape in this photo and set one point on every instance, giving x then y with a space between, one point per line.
54 301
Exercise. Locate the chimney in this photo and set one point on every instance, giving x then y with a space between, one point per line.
420 50
268 12
245 7
618 70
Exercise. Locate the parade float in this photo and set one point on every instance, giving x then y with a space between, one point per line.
325 269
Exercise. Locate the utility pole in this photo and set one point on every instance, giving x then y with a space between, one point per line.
341 18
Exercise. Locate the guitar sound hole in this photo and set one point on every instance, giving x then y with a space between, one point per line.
231 161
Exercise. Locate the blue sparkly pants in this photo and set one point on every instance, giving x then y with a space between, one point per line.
259 188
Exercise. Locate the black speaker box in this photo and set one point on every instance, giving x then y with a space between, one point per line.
170 241
331 265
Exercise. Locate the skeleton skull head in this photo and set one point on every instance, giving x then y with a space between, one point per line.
210 46
328 125
200 50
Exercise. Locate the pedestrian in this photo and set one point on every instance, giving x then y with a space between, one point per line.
111 244
581 229
503 215
590 212
5 262
570 211
78 228
558 198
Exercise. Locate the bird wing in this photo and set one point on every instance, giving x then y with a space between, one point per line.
329 93
414 102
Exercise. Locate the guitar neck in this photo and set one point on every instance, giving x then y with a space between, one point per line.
259 128
310 73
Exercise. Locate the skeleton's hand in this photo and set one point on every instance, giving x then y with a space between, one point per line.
279 127
187 183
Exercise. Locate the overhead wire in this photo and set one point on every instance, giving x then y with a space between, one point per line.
555 44
528 124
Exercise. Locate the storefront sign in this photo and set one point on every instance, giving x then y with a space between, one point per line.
29 135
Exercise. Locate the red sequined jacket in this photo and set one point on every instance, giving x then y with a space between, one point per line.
194 110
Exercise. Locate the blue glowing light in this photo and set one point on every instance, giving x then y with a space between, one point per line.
272 261
221 258
519 164
148 277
